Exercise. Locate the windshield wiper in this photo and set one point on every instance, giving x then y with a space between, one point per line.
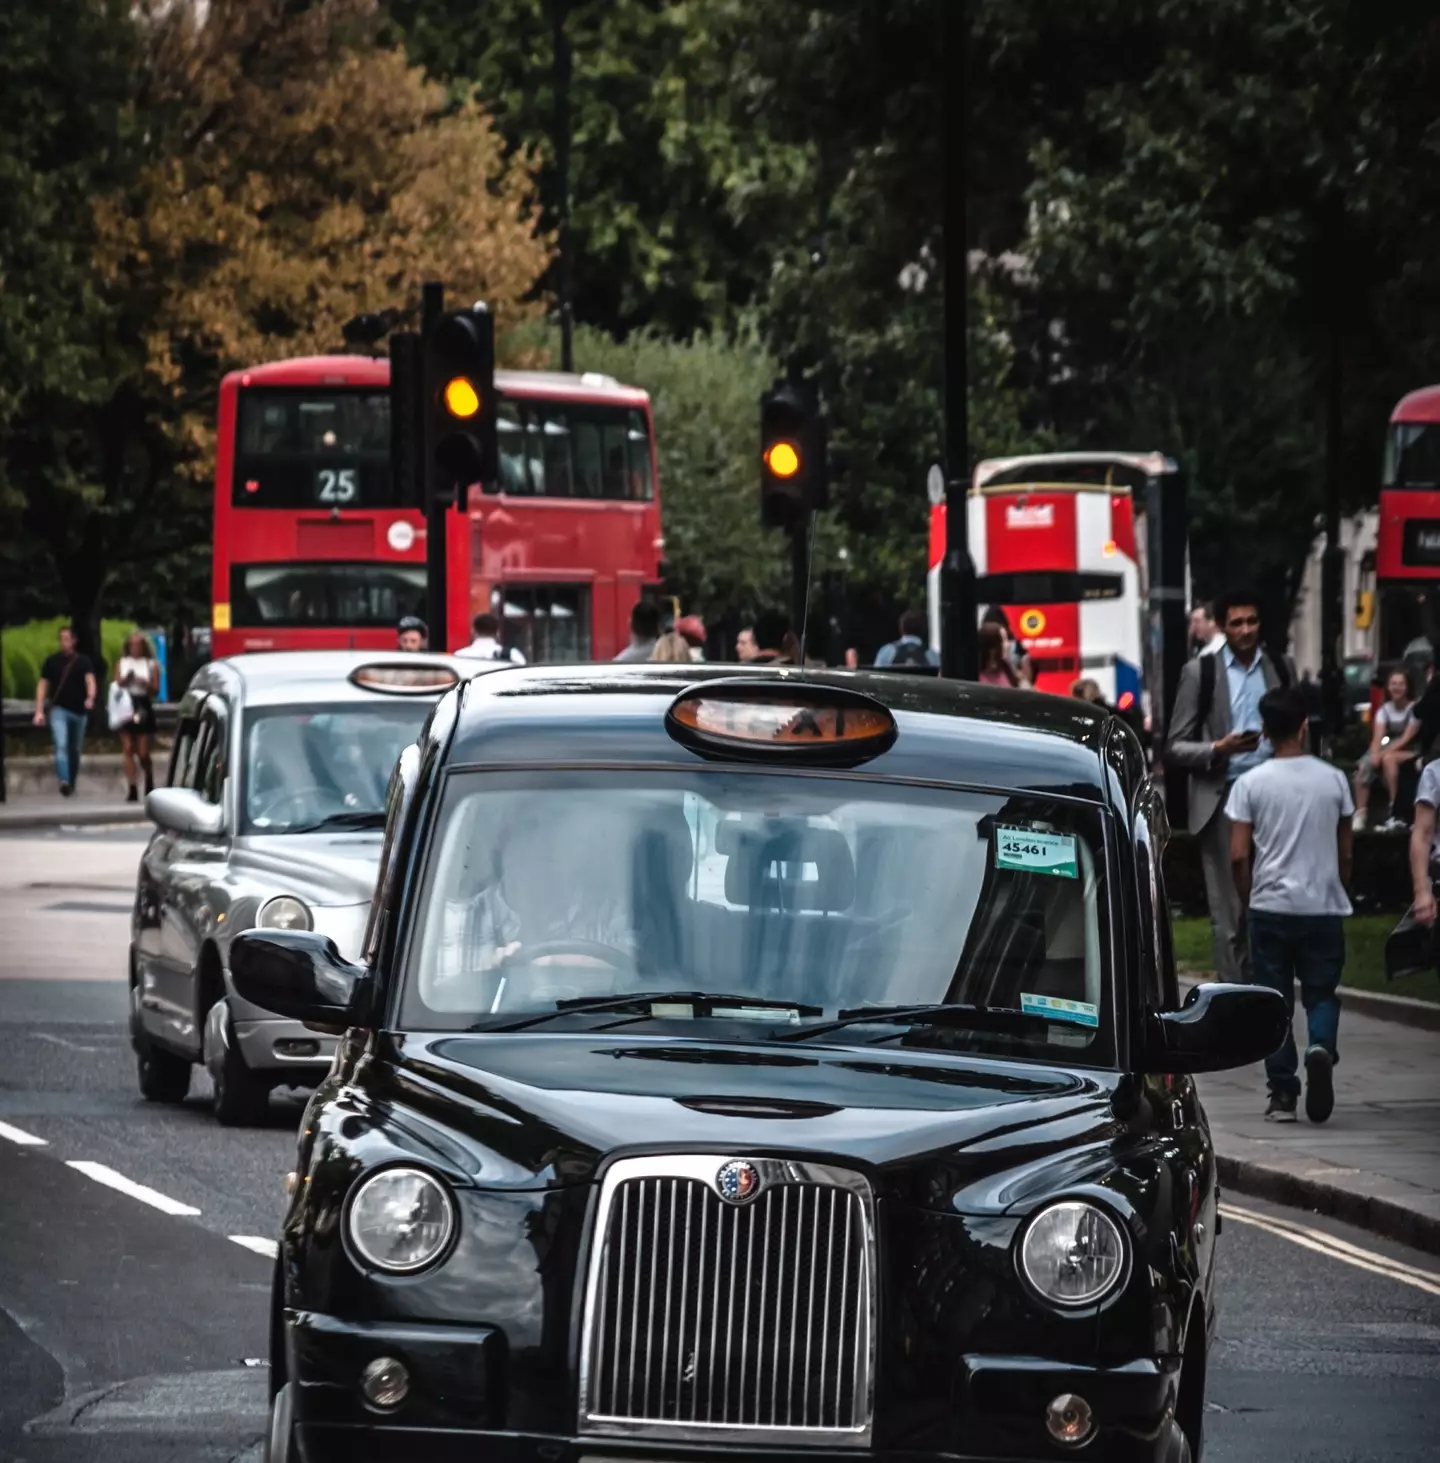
372 819
936 1014
705 1003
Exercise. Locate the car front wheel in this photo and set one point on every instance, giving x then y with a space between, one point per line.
163 1076
241 1098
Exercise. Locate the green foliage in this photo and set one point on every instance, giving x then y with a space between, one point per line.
705 395
26 646
663 160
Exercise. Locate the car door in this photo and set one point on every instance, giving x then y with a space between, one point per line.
156 948
1173 1096
197 865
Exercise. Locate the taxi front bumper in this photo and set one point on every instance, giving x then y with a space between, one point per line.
456 1408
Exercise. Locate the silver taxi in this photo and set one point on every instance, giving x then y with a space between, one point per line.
272 818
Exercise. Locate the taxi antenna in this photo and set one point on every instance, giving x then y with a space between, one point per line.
809 577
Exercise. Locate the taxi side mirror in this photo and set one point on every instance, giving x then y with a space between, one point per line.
1219 1026
300 974
182 810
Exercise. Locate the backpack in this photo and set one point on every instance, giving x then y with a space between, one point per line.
910 652
1207 684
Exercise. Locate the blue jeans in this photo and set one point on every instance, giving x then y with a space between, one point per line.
1309 948
68 729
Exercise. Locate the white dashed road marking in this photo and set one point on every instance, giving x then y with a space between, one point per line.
24 1139
107 1176
266 1247
1336 1249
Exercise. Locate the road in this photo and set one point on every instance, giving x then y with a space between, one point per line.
131 1333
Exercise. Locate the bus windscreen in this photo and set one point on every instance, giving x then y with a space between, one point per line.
1059 586
313 447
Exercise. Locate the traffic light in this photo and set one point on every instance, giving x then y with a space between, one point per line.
792 456
460 416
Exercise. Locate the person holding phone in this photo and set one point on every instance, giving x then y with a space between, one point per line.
1215 735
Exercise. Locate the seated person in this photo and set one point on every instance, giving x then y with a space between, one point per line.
1394 734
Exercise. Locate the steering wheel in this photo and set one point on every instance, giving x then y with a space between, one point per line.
606 954
294 795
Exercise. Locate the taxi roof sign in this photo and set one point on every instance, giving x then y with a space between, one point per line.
780 721
404 680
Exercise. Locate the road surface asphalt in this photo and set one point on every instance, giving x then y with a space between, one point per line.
131 1333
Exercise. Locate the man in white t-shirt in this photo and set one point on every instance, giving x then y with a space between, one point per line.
486 644
1290 845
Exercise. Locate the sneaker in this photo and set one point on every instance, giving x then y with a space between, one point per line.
1359 821
1394 825
66 789
1319 1088
1281 1109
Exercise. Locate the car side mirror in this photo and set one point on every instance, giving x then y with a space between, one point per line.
1219 1026
300 974
182 810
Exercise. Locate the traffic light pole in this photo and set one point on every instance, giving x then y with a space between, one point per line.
437 600
958 655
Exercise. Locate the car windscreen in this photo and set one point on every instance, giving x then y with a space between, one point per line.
808 896
307 766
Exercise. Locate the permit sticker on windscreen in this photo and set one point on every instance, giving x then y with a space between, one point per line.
1082 1013
1030 852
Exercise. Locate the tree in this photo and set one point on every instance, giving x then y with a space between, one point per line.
666 177
1223 227
297 171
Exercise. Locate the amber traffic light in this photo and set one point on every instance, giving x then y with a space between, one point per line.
461 398
461 445
792 455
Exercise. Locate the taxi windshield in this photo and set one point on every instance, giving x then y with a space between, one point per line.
312 767
767 904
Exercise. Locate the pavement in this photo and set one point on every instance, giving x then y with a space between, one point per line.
135 1238
1374 1164
95 801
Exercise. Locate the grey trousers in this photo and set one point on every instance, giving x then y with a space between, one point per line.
1227 915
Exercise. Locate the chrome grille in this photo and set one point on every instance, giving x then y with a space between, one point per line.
757 1319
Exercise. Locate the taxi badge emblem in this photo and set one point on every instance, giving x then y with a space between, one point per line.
738 1181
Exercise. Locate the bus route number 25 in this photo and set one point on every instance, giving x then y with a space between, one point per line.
336 485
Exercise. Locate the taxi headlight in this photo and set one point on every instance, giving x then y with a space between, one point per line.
284 912
401 1219
1073 1253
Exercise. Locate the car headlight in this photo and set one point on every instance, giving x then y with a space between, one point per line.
285 912
401 1219
1073 1253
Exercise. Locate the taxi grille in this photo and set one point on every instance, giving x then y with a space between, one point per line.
701 1315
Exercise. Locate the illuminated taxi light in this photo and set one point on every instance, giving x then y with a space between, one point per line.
461 398
404 680
764 719
1109 549
782 459
783 722
1126 701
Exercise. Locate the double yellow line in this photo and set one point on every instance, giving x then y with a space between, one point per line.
1336 1249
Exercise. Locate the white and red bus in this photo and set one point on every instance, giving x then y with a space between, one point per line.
1058 543
315 548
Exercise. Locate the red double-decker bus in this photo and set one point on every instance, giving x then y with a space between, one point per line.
315 550
1407 542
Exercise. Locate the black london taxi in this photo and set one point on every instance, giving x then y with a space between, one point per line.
769 1067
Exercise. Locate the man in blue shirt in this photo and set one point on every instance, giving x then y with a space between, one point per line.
1215 734
909 649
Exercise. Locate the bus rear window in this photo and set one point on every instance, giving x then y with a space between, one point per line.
1063 586
312 447
323 595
